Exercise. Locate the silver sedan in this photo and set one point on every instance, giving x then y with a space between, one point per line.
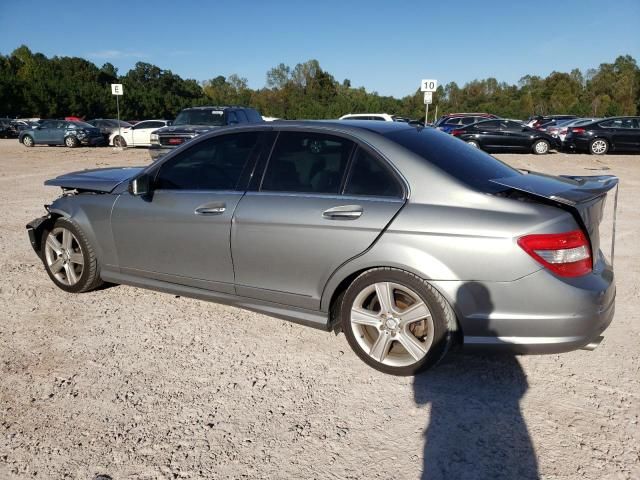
405 239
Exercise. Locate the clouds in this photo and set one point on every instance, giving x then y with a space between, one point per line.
116 54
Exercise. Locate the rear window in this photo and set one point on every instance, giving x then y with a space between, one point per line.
466 164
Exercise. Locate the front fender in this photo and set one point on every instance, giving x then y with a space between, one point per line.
91 213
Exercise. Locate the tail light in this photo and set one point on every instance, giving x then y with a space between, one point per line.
566 254
577 130
456 133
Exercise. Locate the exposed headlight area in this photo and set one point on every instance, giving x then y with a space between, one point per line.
154 139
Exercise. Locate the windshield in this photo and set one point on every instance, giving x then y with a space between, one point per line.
466 164
200 117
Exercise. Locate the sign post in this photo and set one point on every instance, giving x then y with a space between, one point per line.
428 86
116 89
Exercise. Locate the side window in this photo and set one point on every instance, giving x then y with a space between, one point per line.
231 118
369 177
307 162
490 125
154 124
214 164
141 125
242 117
253 116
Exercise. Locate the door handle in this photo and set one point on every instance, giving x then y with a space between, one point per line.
343 212
216 209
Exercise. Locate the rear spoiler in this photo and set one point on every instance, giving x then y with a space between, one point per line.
578 194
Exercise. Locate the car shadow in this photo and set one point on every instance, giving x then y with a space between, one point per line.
476 429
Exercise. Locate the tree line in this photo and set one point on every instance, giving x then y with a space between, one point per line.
33 85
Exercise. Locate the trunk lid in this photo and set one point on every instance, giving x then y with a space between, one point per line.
97 180
583 196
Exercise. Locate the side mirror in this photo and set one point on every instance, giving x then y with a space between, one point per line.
140 186
169 123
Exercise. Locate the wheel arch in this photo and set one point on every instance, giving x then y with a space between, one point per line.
339 282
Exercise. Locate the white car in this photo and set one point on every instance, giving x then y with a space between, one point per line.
138 135
385 117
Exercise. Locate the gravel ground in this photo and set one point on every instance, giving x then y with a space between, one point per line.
133 384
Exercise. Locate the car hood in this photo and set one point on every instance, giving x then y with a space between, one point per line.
185 129
97 180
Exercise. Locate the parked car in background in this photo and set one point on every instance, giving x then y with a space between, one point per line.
195 121
61 132
19 125
619 134
554 128
506 135
138 135
108 126
540 121
562 131
6 131
450 122
329 224
384 117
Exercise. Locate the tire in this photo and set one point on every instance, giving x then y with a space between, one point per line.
541 147
71 142
69 258
473 143
118 141
379 338
27 141
598 146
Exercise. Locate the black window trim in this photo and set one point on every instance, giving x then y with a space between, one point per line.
383 163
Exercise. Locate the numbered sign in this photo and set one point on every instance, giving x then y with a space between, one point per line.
428 85
116 89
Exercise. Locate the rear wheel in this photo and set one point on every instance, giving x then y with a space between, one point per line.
119 141
396 322
598 146
69 258
541 147
27 141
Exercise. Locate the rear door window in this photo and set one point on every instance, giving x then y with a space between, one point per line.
370 177
307 162
488 125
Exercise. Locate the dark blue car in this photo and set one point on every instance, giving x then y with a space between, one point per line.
61 132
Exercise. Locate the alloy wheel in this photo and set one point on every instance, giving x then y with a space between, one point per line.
541 147
28 141
599 147
64 256
392 324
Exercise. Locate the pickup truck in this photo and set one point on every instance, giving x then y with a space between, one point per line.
195 121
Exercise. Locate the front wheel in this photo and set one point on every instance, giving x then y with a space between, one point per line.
396 322
69 258
598 146
71 142
473 143
541 147
27 141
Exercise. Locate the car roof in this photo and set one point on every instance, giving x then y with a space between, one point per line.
217 107
375 126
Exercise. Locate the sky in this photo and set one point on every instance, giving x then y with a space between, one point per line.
385 46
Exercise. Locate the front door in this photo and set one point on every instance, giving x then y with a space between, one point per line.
181 233
47 132
306 220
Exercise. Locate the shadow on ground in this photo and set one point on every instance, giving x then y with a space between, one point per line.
476 429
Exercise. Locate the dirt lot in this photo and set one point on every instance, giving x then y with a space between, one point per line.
135 384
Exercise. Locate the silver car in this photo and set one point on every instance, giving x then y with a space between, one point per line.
405 239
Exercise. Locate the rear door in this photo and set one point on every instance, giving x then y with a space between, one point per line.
516 135
47 132
308 215
142 132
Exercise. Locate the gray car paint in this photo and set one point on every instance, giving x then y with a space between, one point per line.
462 241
